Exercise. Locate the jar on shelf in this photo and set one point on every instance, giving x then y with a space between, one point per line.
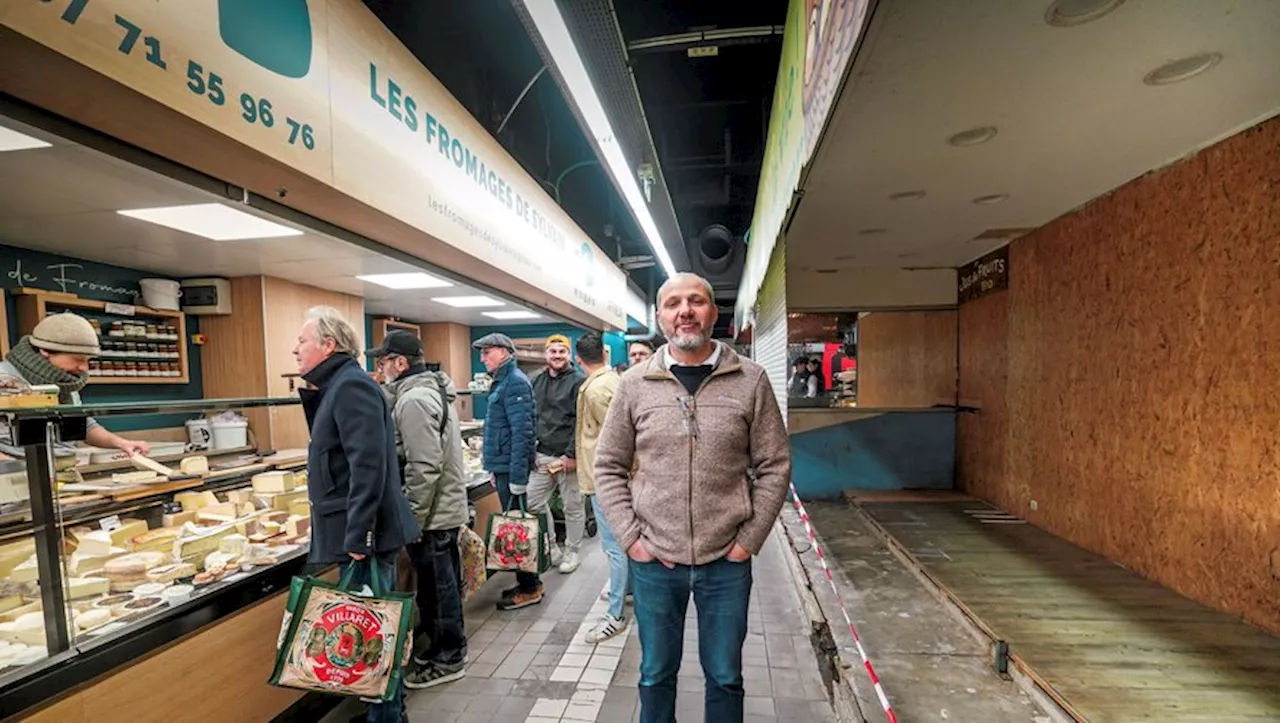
95 367
97 326
108 369
116 329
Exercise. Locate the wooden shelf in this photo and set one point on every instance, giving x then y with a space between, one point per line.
33 306
4 327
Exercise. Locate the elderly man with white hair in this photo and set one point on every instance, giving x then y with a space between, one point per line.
688 431
358 510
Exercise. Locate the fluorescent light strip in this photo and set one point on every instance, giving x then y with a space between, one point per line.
511 315
11 140
414 280
212 221
467 302
546 16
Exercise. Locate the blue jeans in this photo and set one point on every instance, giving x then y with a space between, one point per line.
439 567
721 592
619 568
391 711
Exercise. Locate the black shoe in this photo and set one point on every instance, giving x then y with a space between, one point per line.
432 675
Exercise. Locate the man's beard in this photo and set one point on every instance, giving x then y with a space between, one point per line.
688 342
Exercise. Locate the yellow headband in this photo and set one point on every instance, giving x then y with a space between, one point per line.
557 339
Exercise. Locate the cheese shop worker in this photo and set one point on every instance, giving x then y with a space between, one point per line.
353 477
429 442
57 352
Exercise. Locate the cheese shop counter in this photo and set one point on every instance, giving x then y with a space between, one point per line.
108 562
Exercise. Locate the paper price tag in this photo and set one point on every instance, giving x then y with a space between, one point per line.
110 523
121 309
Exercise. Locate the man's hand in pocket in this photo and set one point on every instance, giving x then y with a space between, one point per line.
738 553
640 553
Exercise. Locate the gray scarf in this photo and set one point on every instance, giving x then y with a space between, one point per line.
36 369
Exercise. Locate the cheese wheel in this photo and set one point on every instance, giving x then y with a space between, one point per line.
149 589
169 573
90 619
134 564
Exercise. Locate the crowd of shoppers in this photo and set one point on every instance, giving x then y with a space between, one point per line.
683 459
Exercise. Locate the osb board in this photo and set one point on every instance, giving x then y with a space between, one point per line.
1143 387
981 447
906 359
188 676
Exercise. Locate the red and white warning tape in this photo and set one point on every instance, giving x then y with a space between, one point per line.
853 630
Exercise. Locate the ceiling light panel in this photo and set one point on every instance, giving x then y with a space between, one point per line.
511 315
467 302
555 35
11 140
415 280
212 221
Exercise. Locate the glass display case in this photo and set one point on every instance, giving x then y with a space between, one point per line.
102 562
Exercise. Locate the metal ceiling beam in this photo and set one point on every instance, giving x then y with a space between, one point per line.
598 39
699 38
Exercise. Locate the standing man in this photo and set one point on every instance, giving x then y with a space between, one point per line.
57 351
358 510
429 445
695 422
594 397
509 445
555 394
638 352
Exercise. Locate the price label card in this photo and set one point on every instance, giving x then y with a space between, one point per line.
121 309
110 523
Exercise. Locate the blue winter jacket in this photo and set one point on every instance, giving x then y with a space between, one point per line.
509 444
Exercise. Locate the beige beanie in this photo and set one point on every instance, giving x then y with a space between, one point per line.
66 333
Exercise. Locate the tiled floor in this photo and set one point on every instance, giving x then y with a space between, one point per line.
532 664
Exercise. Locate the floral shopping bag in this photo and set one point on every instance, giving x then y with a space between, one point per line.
516 542
336 641
471 550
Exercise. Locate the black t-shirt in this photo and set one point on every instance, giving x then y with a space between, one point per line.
692 377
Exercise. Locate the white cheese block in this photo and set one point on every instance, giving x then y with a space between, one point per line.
233 544
242 496
90 619
195 465
273 482
127 530
26 571
134 477
97 542
79 588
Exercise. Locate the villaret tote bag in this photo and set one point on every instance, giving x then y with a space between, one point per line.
516 542
334 640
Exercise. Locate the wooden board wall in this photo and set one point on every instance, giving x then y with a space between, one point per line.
217 674
287 304
907 359
233 360
1142 354
449 344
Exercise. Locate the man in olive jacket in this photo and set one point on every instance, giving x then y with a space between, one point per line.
687 431
429 444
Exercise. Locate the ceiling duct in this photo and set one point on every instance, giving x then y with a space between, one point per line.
717 254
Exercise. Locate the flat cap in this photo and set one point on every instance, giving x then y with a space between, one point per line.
489 341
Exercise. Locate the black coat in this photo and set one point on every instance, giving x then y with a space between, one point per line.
353 475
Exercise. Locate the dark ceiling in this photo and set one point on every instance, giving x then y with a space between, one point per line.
707 115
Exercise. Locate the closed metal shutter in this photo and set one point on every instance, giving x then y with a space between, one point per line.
769 346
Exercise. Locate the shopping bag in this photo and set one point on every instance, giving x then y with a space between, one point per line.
471 550
515 541
337 641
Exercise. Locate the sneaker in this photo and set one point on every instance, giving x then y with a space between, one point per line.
629 599
510 592
557 556
431 675
570 563
608 627
521 600
422 659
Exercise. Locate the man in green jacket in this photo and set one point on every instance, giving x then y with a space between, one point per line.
429 443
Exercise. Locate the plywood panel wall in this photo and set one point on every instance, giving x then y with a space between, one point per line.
286 308
233 359
1143 377
449 344
907 359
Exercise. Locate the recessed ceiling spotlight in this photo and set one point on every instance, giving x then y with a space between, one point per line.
1067 13
906 195
872 231
1183 69
993 198
973 136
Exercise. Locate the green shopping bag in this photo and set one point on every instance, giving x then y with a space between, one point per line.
516 541
336 641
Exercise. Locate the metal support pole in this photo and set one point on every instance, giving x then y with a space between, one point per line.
46 524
